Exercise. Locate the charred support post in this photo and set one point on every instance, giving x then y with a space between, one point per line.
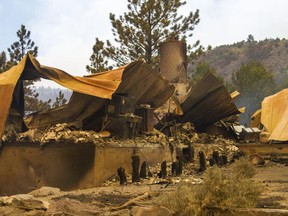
224 159
143 170
211 161
202 161
135 168
188 154
122 176
216 158
180 165
174 167
177 167
163 171
192 153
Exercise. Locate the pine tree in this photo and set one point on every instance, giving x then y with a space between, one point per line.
20 48
98 61
254 82
16 52
60 100
139 32
3 62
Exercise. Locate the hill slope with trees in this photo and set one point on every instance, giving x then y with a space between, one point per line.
227 59
254 68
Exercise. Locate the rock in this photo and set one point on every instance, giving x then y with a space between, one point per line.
34 213
7 200
8 211
25 201
123 212
45 191
72 207
150 210
257 159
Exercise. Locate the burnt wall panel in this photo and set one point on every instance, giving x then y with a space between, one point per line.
26 167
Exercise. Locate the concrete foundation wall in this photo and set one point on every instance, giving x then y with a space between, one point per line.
27 166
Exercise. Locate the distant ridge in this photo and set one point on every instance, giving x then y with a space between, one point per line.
227 59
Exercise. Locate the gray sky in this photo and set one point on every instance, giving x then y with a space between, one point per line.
65 30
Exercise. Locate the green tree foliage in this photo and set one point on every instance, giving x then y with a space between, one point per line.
250 39
16 52
33 104
98 59
139 32
201 69
20 48
254 82
3 62
60 100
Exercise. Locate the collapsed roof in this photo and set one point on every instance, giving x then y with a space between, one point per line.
136 79
208 102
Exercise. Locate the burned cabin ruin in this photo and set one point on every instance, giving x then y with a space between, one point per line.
65 147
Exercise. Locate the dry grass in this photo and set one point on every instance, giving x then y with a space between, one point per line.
221 189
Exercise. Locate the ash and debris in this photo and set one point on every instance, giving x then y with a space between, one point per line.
184 134
111 198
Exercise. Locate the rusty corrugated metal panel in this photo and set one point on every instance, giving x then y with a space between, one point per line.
208 102
139 81
173 61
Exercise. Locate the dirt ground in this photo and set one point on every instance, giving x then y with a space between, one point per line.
137 198
274 180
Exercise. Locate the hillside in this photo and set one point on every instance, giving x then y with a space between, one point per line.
227 59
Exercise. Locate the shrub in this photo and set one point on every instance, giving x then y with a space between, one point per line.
221 189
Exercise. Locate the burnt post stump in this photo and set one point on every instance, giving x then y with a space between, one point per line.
135 168
177 166
202 161
163 171
215 156
224 159
179 169
211 161
188 154
174 167
143 170
122 176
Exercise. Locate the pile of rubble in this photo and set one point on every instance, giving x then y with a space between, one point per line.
57 133
183 134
